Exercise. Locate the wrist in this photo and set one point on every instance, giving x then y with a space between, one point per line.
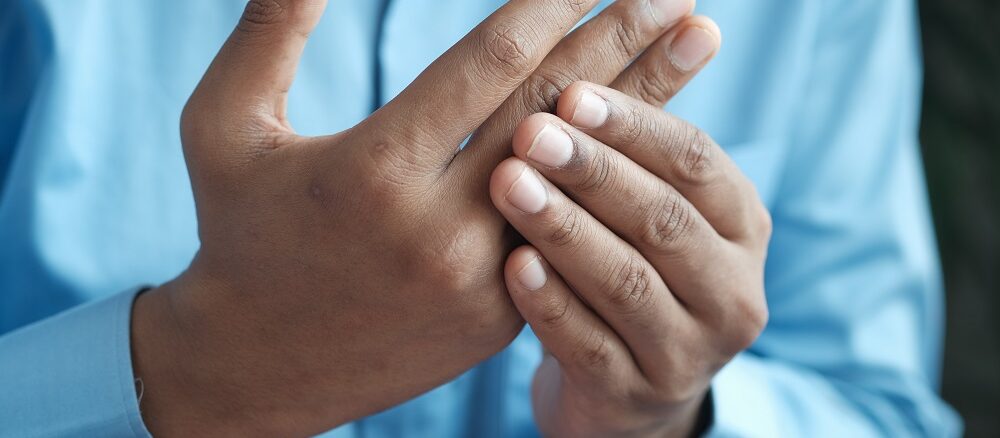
686 420
192 383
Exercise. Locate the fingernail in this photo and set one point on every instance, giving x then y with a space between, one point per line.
551 147
532 275
591 111
666 12
527 193
691 48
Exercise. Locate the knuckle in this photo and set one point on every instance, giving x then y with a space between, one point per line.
654 86
756 314
765 222
567 229
667 223
576 6
594 351
386 184
261 14
388 163
633 128
627 36
506 50
543 90
455 268
261 18
555 313
758 320
485 307
694 161
630 289
680 390
749 318
598 177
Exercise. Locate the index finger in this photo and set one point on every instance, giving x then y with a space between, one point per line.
453 96
677 152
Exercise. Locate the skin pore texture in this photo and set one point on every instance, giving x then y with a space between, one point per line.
274 329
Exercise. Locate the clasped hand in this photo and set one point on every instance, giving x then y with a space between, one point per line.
341 275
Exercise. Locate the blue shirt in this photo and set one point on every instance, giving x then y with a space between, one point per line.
817 101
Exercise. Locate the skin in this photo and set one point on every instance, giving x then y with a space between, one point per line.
342 275
644 272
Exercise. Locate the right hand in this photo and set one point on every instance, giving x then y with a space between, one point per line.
341 275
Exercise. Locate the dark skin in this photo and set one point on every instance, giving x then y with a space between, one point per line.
342 275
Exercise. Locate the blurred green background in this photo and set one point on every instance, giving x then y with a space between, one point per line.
960 132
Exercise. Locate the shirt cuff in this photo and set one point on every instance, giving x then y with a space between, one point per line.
71 374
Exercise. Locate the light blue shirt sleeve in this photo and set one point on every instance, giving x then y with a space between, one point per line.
853 283
19 51
71 374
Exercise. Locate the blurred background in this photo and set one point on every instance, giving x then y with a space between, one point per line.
960 133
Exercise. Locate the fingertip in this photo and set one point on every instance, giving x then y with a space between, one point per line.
570 97
707 24
696 43
503 177
526 131
519 258
525 270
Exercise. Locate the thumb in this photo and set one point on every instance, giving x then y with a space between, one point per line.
253 71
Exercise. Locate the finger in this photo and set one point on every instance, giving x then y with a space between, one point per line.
253 71
605 271
694 261
456 93
597 51
635 204
677 152
682 53
586 348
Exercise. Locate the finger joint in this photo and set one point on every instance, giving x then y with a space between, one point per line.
262 13
694 157
627 37
631 287
543 90
507 51
599 176
568 230
633 128
748 318
594 351
654 86
667 223
556 313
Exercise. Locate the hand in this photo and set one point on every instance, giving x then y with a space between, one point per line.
645 270
341 275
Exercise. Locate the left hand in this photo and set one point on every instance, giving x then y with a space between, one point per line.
646 265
